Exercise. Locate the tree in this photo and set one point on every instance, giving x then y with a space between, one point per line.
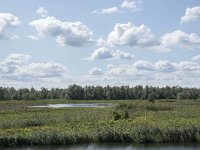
1 93
75 92
43 93
151 98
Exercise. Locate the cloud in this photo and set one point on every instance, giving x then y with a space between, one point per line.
147 69
121 55
110 10
100 53
189 66
14 37
165 66
18 70
105 53
16 67
101 42
181 39
141 37
191 14
109 66
122 70
95 71
160 73
12 62
42 12
131 4
196 58
74 34
41 70
131 35
17 59
33 37
143 65
7 21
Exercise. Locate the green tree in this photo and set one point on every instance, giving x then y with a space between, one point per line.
1 93
75 92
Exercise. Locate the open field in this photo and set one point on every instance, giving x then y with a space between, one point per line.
136 121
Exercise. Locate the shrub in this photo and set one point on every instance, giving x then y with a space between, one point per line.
120 114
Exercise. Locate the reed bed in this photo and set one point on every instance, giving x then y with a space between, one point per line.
125 122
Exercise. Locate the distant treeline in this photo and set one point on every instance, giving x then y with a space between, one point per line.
76 92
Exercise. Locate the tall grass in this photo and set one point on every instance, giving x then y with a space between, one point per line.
133 122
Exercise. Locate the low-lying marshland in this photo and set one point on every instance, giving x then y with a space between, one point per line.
136 121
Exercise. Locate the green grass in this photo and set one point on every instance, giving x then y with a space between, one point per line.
127 121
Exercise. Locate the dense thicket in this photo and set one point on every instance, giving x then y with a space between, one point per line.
98 92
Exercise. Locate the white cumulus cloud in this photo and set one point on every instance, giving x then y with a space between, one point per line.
7 21
161 67
105 53
74 34
100 53
12 62
96 71
121 55
189 66
196 58
191 14
42 11
101 42
110 10
41 70
133 5
162 72
131 35
141 37
33 37
165 66
181 39
16 67
143 65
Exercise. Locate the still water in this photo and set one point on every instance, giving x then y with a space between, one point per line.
84 105
111 147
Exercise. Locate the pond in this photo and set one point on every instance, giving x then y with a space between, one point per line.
75 105
111 147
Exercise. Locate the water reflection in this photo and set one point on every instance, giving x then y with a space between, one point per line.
111 147
85 105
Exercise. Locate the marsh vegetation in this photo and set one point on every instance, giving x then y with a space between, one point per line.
138 121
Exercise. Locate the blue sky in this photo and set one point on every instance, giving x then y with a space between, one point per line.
117 42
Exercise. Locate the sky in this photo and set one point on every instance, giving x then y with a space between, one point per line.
55 43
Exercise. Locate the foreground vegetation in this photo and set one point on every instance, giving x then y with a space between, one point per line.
139 121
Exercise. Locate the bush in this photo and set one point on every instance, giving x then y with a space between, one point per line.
143 106
120 114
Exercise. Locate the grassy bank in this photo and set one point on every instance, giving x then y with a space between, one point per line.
127 121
